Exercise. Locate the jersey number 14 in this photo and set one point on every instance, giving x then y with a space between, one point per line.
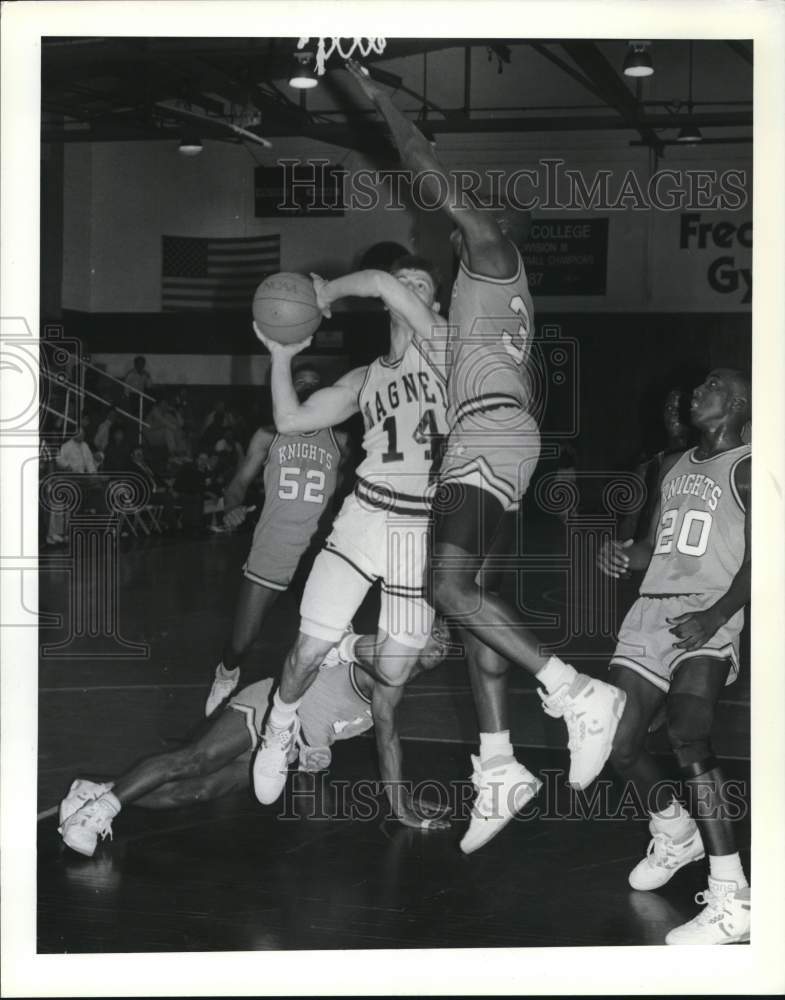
424 434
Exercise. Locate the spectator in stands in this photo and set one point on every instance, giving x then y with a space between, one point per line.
75 457
228 445
183 406
117 454
138 378
165 430
75 454
216 422
104 431
239 425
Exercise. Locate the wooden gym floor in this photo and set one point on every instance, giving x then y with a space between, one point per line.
233 875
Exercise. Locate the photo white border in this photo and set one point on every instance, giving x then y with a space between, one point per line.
757 968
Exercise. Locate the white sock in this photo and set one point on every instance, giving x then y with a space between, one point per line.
495 745
283 712
224 674
555 673
347 646
673 820
728 868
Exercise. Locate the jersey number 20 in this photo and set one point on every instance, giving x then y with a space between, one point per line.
693 538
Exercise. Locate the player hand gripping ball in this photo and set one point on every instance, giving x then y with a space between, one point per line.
275 347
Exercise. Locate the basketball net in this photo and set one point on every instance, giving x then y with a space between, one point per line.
345 47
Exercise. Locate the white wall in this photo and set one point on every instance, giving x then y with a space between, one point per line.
121 197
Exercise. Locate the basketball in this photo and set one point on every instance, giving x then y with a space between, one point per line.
285 309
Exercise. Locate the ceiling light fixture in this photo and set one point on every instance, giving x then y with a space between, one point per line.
638 62
689 134
303 76
190 145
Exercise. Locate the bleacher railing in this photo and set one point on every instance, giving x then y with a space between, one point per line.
66 393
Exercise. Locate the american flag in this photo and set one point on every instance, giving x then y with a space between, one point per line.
199 273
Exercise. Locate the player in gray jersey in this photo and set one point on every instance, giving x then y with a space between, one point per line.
491 453
337 706
300 476
678 647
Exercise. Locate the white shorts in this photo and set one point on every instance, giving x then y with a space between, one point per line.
366 545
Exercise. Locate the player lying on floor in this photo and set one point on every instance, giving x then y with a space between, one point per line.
337 706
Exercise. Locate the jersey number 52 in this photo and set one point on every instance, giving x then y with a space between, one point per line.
291 482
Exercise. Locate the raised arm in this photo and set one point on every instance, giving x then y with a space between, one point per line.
371 284
325 408
485 250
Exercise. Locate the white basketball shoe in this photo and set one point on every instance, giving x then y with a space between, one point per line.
504 786
93 820
592 710
724 919
223 685
80 792
665 856
270 766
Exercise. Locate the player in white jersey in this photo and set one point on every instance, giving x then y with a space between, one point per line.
381 531
337 706
678 647
300 477
490 456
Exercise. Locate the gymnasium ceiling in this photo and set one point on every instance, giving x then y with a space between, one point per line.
121 89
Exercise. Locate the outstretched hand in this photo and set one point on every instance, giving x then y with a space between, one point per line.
423 816
613 560
283 350
369 87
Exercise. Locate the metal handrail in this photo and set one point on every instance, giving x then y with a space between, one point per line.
64 383
113 378
79 388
